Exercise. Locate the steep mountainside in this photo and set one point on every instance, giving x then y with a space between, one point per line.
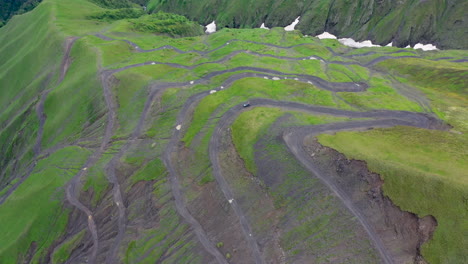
442 22
128 137
8 8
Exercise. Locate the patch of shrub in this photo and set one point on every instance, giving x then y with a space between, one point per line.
113 3
117 14
166 23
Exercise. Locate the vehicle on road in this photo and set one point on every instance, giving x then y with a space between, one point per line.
246 104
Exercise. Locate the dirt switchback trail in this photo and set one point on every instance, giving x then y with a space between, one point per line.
175 184
110 171
71 194
293 138
384 118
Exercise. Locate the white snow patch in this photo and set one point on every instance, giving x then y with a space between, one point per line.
222 87
408 47
211 28
275 79
355 44
266 78
212 91
263 26
178 127
293 25
312 58
231 200
296 79
389 44
326 35
191 82
153 63
425 47
85 168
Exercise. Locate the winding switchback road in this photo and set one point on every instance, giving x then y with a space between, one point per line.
294 140
383 118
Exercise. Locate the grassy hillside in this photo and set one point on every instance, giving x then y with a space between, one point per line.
110 116
424 173
403 22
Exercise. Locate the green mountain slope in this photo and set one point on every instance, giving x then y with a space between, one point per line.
406 22
129 137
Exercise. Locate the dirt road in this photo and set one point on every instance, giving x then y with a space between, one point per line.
384 118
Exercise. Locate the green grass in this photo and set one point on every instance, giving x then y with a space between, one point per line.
151 171
251 125
381 95
34 212
246 129
63 251
69 116
424 173
444 84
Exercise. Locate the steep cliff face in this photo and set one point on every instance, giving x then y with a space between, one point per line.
405 22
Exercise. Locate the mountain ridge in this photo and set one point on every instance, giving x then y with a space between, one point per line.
406 22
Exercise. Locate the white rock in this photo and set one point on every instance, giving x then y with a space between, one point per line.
178 127
222 87
212 91
389 44
211 28
275 79
296 79
85 168
293 25
326 35
192 82
355 44
263 26
425 47
231 200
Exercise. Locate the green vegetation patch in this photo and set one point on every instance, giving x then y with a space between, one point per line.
63 251
165 23
424 172
34 212
117 14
